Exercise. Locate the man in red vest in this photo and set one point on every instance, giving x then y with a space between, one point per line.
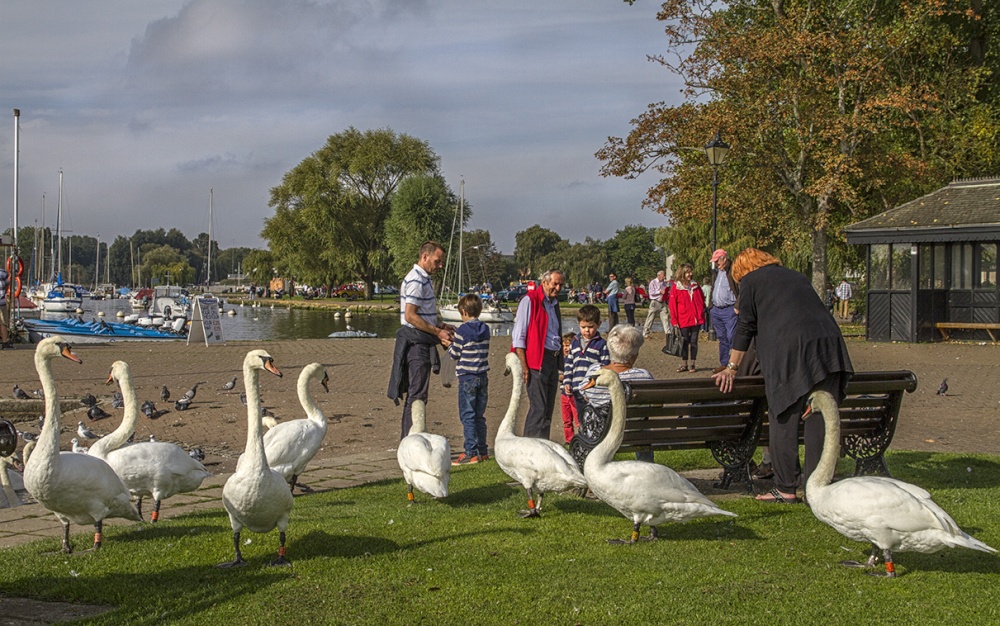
537 340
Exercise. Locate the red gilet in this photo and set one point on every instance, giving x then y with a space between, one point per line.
538 325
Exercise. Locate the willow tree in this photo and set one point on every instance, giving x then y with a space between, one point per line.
820 105
331 209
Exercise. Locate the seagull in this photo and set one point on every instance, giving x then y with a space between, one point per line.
182 404
152 439
943 388
230 385
19 394
80 449
97 413
117 400
84 432
197 454
164 393
88 400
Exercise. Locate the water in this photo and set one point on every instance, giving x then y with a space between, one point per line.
265 323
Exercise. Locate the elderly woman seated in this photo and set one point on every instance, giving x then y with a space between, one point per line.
624 342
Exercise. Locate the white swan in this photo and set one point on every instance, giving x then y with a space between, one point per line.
290 446
539 465
255 496
425 458
76 487
646 493
888 513
155 469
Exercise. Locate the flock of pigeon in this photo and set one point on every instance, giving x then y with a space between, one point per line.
87 488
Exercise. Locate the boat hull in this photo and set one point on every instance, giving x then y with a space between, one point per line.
93 332
492 313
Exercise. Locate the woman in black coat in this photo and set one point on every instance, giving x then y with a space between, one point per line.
800 349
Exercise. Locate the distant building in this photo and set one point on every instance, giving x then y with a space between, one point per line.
933 260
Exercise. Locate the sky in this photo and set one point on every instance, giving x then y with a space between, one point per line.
147 105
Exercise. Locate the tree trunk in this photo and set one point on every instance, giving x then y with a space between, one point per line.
819 260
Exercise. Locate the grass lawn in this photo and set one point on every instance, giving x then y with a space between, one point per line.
362 556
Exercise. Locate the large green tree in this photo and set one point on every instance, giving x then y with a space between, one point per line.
834 110
423 208
331 209
530 245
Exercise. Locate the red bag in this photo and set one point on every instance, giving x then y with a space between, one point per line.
665 297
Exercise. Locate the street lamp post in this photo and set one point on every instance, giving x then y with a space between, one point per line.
716 151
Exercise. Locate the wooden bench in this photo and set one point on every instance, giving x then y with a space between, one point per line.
944 327
685 414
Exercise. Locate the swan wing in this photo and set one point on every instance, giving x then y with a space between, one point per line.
87 490
539 463
259 501
289 446
426 453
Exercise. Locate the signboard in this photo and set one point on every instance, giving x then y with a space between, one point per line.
205 322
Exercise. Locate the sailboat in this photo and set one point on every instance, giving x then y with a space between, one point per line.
493 311
57 296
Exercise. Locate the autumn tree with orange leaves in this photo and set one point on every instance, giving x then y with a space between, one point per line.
834 110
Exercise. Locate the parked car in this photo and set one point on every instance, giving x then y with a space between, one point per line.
352 291
512 294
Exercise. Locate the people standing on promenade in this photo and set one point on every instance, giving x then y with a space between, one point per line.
471 348
800 350
628 302
611 294
687 310
415 352
537 341
656 290
724 292
844 294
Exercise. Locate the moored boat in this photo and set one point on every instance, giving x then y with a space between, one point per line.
97 331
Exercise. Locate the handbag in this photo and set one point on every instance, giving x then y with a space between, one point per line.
673 347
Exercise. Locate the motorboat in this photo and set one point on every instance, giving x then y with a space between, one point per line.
493 312
60 298
97 331
352 333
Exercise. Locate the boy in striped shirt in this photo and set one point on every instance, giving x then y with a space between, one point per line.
589 348
471 348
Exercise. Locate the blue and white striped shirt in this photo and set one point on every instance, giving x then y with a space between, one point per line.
599 396
418 289
581 358
471 348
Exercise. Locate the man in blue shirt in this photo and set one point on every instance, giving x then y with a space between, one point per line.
724 292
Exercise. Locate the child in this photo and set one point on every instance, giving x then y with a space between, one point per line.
471 348
570 417
586 350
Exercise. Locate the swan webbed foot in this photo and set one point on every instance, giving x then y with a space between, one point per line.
857 564
237 562
654 535
281 561
530 513
620 542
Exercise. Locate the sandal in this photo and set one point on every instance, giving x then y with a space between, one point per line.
692 369
682 368
764 471
776 497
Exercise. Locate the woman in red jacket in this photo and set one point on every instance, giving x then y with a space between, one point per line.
687 311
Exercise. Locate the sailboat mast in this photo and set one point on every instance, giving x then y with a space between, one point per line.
461 231
57 242
97 269
211 202
17 133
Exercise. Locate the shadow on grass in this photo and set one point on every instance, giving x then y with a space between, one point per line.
932 470
164 530
957 561
318 543
485 494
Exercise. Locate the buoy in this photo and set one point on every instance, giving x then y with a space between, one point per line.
100 314
79 311
120 314
231 313
347 315
336 315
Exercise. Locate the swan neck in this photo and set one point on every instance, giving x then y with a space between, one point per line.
823 474
606 449
507 424
48 438
418 417
254 452
119 437
313 412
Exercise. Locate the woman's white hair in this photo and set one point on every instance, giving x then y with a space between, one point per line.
624 342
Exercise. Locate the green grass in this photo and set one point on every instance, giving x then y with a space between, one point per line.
362 556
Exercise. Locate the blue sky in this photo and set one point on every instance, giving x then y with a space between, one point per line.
146 105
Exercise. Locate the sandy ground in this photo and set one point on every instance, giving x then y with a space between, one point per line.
363 419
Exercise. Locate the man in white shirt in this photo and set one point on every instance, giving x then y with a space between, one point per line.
844 294
655 289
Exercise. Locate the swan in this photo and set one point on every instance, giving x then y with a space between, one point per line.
424 457
155 469
255 496
888 513
539 465
646 493
76 487
290 446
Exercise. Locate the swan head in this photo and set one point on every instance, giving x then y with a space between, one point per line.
55 346
316 371
605 378
822 402
513 365
261 360
119 370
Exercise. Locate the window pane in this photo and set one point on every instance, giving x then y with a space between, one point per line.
961 266
940 263
987 265
879 267
925 263
901 275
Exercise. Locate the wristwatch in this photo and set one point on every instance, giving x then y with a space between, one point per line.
732 366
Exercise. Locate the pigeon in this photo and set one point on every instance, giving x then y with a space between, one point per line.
943 388
19 394
164 393
149 410
197 454
118 400
41 422
243 398
80 449
152 439
39 393
230 385
97 413
182 404
131 438
190 393
28 436
88 400
84 432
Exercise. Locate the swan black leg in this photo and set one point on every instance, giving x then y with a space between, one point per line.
870 563
532 510
98 536
409 494
66 547
291 484
653 535
281 560
155 515
238 561
138 507
633 539
890 567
